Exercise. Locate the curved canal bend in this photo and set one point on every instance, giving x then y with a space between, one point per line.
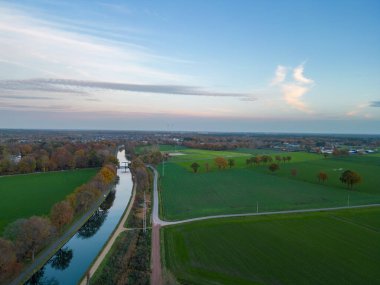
70 262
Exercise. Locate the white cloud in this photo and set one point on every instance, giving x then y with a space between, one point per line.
280 75
35 48
293 92
299 77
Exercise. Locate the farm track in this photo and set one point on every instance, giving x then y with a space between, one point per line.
156 277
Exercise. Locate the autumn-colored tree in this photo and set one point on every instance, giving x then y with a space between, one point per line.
142 178
30 235
350 178
113 160
63 158
107 175
80 158
231 162
220 162
322 176
42 163
27 164
257 160
25 149
61 214
274 167
8 260
195 167
278 158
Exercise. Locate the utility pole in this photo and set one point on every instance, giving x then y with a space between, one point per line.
144 214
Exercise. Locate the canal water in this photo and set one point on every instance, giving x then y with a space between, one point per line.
71 262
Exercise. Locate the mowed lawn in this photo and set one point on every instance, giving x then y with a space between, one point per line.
340 247
23 196
239 190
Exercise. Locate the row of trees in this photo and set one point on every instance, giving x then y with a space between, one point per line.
26 237
256 160
49 157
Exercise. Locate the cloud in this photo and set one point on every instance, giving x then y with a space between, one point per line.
280 75
26 97
375 104
79 86
293 92
299 77
55 49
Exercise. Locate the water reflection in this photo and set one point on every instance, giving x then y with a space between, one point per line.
69 264
39 279
61 260
93 224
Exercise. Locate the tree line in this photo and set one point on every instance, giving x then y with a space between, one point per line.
41 157
24 238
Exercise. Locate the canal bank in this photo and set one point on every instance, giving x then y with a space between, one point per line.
72 260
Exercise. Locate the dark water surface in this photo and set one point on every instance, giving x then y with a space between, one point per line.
70 263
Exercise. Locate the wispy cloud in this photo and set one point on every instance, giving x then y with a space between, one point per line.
280 75
80 86
299 77
54 49
293 91
375 104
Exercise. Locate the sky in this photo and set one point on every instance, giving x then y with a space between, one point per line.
217 65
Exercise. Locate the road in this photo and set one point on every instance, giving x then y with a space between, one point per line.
156 278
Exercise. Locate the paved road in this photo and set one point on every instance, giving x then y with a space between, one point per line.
47 253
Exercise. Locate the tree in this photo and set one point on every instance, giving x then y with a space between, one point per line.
294 172
61 214
30 235
27 164
278 158
8 260
220 162
195 166
288 158
231 162
350 178
322 176
274 167
207 166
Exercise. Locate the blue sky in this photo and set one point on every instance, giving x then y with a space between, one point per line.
272 66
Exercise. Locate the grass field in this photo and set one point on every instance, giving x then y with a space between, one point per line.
23 196
340 247
238 190
162 147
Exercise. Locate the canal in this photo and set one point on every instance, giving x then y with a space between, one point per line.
70 262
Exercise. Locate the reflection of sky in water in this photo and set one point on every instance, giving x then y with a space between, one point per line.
84 249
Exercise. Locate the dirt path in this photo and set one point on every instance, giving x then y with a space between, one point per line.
156 277
111 241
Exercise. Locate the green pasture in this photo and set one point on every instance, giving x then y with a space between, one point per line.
162 147
23 196
238 190
339 247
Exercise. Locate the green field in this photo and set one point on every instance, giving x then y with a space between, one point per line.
23 196
238 190
162 147
340 247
